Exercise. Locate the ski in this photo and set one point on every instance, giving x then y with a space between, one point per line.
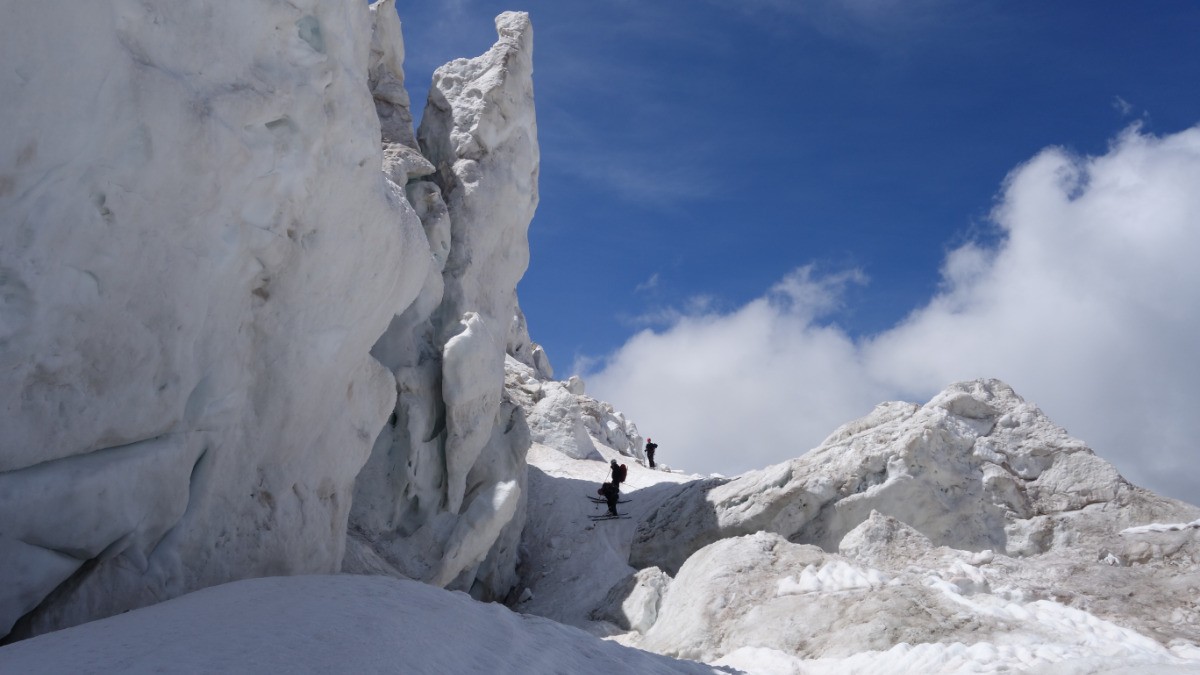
619 516
600 500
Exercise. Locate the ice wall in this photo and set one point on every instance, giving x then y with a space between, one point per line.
442 497
197 251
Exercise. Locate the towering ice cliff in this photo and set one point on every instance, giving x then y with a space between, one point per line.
199 254
442 498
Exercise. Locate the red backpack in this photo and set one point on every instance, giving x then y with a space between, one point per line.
621 473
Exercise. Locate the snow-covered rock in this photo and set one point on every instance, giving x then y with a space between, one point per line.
970 532
402 158
759 598
976 468
633 602
555 415
198 251
561 416
880 538
575 385
609 425
442 498
760 590
522 348
557 421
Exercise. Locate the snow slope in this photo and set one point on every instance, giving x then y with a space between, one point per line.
569 563
1093 579
327 624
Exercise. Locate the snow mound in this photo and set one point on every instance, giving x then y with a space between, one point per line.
327 624
633 602
761 603
969 531
977 448
561 416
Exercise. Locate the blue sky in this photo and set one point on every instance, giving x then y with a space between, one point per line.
700 157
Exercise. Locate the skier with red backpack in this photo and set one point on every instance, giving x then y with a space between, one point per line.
619 471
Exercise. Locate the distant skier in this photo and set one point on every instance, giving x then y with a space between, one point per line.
651 446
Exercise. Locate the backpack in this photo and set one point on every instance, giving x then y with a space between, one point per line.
621 472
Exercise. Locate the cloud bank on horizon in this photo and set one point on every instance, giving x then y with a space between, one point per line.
1085 298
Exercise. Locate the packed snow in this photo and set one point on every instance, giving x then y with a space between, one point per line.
328 624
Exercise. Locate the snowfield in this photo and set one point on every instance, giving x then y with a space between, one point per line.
327 624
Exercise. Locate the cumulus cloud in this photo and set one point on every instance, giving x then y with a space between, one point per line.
1087 303
733 391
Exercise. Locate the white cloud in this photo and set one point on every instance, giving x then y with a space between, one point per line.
648 284
740 390
1125 108
1088 305
667 315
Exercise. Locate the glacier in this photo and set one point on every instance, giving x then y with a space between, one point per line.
263 357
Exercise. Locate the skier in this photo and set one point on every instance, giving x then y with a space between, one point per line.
651 446
612 489
618 473
612 494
